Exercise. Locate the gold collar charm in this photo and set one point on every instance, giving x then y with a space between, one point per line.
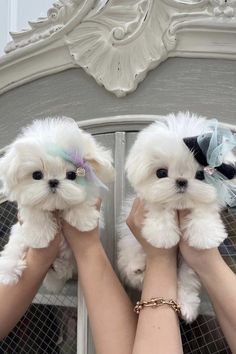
209 170
80 172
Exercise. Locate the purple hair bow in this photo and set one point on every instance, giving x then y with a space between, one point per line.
83 168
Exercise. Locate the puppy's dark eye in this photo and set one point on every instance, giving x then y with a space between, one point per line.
162 173
37 175
199 175
71 175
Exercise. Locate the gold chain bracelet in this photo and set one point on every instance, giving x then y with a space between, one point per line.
156 302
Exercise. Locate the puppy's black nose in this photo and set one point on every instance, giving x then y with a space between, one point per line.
53 183
181 183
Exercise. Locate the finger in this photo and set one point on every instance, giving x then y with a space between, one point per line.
140 206
140 211
183 213
19 219
135 206
136 214
136 203
57 218
98 204
56 213
135 218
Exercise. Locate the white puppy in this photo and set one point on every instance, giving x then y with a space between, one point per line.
167 170
52 165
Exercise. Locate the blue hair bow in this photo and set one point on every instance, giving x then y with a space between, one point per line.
210 149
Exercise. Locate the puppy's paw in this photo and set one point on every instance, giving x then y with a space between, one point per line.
63 268
131 260
204 229
84 220
189 288
133 274
10 272
204 236
90 222
190 309
39 237
201 242
53 283
9 279
159 236
37 242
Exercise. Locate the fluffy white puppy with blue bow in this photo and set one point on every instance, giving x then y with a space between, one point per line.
52 165
181 162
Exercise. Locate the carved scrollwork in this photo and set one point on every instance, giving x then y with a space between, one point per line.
223 8
58 16
186 3
119 45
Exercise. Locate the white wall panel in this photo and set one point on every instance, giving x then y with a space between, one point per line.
4 23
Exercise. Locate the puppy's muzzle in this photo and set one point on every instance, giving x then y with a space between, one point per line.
181 184
53 184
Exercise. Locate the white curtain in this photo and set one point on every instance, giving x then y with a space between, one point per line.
15 14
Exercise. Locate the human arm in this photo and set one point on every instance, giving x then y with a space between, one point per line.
111 316
219 281
158 329
16 298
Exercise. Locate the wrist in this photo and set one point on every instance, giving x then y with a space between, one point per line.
163 267
39 259
165 270
81 242
42 258
89 251
163 256
206 260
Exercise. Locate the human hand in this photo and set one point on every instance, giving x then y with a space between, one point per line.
81 241
45 256
198 259
135 222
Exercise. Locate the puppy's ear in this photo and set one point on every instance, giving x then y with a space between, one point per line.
137 164
8 169
133 167
12 163
98 157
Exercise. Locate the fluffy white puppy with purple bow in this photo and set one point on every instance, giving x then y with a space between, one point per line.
181 162
52 165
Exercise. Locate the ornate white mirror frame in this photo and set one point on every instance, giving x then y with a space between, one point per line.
117 42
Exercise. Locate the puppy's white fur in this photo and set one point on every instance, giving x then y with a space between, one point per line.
36 200
159 146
